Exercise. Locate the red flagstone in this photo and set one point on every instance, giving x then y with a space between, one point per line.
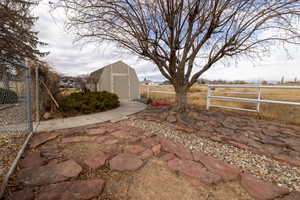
226 171
261 190
194 169
96 160
77 190
125 162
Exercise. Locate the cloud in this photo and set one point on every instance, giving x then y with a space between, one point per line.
74 59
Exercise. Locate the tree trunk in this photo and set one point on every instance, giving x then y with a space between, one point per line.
5 77
181 99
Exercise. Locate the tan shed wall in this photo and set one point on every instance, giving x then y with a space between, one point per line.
119 83
134 84
105 80
119 68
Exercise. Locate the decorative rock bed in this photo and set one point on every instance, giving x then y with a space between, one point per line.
64 159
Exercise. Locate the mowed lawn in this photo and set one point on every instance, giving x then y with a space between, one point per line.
198 94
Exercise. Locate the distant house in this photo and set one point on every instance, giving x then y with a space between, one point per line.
69 82
147 82
117 78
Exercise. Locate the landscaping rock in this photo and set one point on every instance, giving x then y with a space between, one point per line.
194 169
42 138
112 150
96 131
33 159
292 196
50 173
78 139
171 119
25 194
125 162
74 190
261 190
149 142
226 171
134 149
102 139
156 149
146 154
167 145
178 149
167 157
183 152
133 130
111 141
122 134
96 160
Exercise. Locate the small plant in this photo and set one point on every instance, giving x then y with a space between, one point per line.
8 96
89 102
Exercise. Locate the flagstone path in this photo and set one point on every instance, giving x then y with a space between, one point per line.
119 161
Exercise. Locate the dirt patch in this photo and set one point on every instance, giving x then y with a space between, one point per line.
156 181
10 145
80 151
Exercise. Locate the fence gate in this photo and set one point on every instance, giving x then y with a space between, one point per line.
15 98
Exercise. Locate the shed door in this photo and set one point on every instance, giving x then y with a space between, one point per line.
121 87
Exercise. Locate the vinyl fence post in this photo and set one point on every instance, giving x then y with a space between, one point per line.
258 98
208 99
28 97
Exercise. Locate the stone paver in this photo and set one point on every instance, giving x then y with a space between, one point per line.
25 194
77 190
261 190
31 160
194 170
146 154
226 171
156 149
96 131
167 157
42 138
96 160
134 149
125 162
177 149
291 196
49 174
78 139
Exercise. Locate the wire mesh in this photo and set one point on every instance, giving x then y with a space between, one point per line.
15 98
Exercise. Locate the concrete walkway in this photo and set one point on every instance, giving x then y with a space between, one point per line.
126 108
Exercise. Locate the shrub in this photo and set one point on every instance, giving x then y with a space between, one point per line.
8 96
89 102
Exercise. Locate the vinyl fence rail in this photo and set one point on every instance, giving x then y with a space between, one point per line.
212 88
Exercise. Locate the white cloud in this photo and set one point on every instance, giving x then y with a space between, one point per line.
73 59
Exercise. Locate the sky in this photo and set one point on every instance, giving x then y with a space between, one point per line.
72 58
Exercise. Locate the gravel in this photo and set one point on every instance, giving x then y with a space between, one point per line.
260 166
13 119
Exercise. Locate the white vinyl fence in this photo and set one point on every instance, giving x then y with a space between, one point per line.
213 89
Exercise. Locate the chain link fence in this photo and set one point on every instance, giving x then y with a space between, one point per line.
15 98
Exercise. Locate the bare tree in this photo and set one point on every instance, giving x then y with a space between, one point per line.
184 38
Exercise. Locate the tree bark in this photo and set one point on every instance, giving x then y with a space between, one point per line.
181 99
5 77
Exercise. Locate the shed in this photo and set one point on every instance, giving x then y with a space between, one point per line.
118 78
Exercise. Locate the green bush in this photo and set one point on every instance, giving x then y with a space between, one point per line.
89 102
8 96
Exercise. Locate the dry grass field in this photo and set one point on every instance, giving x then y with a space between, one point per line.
197 96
